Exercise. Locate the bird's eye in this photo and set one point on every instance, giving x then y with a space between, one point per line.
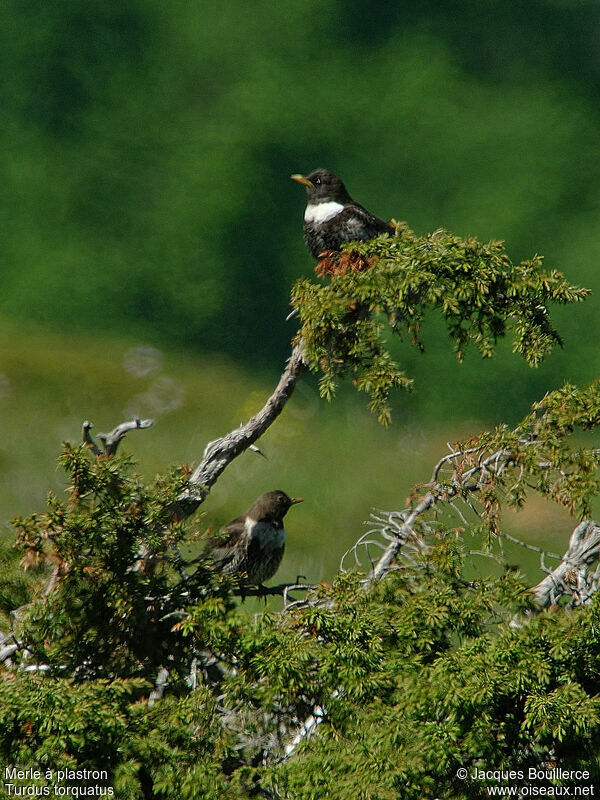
317 181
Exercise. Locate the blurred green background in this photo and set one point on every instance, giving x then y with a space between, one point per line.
151 234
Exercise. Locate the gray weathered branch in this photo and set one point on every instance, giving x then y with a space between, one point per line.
399 527
572 576
221 452
159 687
111 441
8 651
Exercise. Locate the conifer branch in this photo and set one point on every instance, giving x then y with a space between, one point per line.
400 528
480 470
502 467
396 281
572 576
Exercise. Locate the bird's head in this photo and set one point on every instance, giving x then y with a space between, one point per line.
272 506
323 186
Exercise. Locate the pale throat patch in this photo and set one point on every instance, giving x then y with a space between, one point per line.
322 211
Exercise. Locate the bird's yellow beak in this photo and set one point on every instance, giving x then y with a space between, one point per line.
295 500
302 179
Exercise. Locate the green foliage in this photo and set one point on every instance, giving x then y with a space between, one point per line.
103 627
16 586
172 749
413 674
544 454
491 702
481 296
112 547
420 674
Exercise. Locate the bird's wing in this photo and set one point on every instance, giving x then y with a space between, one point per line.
221 547
220 557
358 219
232 531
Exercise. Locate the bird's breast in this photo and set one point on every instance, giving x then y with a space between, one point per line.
266 535
321 212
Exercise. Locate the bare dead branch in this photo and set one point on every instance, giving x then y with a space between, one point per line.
309 726
112 440
87 438
159 687
572 575
398 528
219 453
527 546
7 652
402 527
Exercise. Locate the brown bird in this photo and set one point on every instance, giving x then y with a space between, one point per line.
332 217
252 545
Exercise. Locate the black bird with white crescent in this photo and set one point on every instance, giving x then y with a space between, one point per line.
332 218
252 545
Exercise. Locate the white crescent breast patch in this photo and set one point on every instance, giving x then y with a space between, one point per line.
322 211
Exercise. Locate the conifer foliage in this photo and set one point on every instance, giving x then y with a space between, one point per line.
395 281
119 654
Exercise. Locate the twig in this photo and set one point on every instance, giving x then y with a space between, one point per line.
534 548
280 589
439 491
309 726
87 438
402 533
